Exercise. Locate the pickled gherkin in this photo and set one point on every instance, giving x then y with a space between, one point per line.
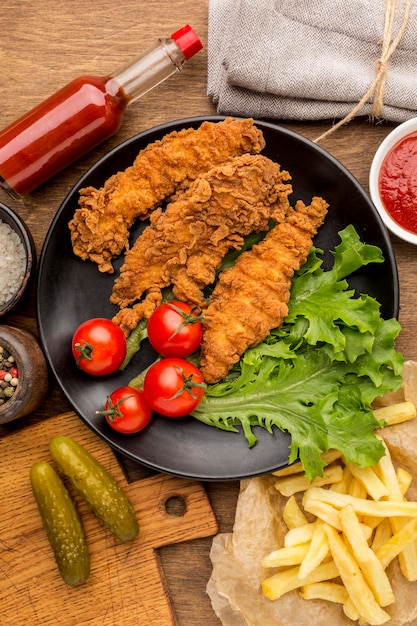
95 485
62 523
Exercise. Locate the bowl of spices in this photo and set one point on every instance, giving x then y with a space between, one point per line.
393 181
23 373
17 259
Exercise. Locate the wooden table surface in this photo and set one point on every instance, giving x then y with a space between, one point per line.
43 46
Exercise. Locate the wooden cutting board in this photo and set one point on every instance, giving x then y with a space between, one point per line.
126 583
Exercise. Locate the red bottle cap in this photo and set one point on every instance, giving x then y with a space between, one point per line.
187 40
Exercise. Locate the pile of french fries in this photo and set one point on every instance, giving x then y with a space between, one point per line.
344 529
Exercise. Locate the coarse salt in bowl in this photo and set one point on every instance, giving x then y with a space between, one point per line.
17 259
390 141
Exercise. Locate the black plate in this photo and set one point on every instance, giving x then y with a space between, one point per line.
71 290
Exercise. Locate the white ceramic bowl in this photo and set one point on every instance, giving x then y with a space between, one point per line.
389 142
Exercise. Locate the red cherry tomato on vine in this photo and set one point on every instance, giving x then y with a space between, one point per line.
99 346
173 387
174 329
126 410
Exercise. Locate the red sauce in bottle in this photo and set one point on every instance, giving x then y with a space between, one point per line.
398 182
83 114
64 127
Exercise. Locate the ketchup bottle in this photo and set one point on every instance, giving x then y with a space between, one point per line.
83 114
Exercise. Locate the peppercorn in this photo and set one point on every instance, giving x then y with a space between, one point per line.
9 375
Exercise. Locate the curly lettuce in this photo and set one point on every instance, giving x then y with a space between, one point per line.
317 375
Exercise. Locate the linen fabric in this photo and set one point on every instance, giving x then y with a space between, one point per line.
307 60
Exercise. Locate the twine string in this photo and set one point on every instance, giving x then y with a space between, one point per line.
377 87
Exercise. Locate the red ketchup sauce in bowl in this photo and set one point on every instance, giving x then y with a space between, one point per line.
393 181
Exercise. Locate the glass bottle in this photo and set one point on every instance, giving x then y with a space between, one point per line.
84 113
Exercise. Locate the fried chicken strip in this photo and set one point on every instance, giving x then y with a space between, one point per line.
100 226
185 244
250 299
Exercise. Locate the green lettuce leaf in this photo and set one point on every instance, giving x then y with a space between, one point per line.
316 376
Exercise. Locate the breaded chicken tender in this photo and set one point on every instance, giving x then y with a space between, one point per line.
250 299
184 245
100 226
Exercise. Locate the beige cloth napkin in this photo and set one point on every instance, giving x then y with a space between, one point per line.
307 60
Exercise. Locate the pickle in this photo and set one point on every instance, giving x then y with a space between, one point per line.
93 483
62 524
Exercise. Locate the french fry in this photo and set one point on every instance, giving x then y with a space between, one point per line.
356 489
388 475
404 479
331 592
371 522
370 565
293 555
370 481
396 413
298 536
383 508
329 514
363 522
354 581
383 532
318 550
296 468
289 485
277 585
292 514
344 485
397 543
325 512
350 610
370 484
407 558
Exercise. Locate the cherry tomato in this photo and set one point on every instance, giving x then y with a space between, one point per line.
174 329
126 410
99 346
173 387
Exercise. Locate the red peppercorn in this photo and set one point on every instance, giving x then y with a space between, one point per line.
2 374
14 372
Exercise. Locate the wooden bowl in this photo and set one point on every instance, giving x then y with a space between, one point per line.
33 373
14 221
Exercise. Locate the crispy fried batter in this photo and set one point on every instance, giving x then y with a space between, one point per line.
184 245
100 226
250 299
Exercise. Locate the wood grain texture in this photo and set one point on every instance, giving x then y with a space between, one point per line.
47 43
127 584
